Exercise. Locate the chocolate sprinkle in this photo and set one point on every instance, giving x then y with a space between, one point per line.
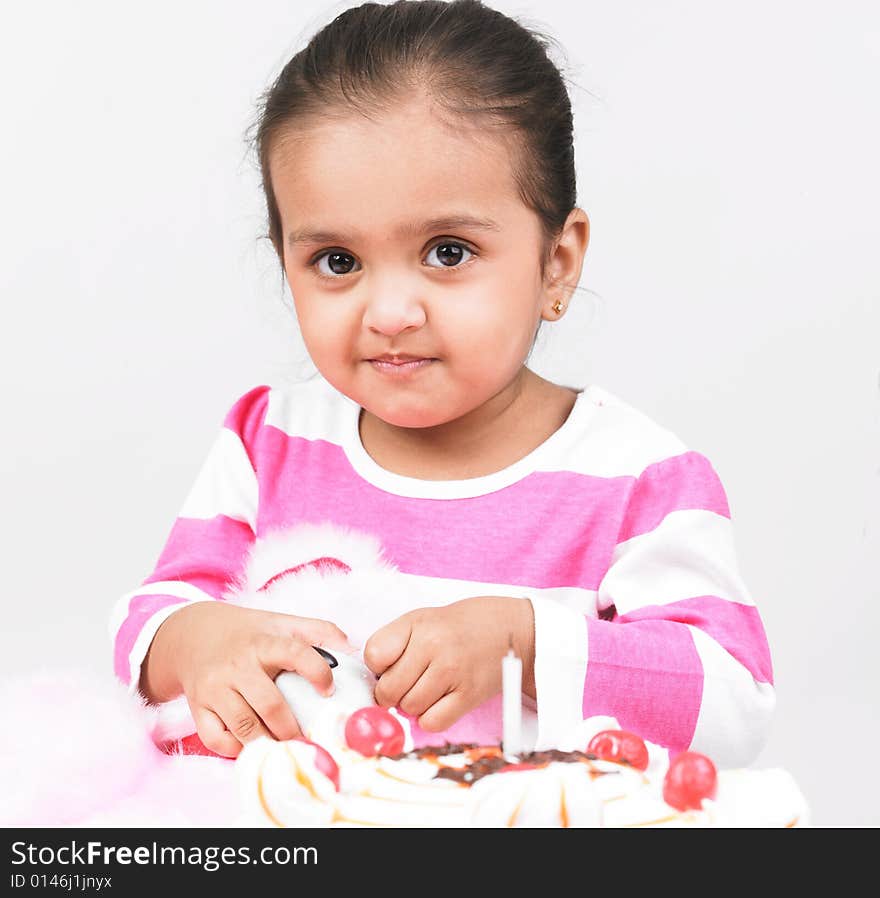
436 751
489 764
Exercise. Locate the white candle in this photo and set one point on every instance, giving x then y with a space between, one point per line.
511 703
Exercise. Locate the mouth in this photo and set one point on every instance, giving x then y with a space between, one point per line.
400 364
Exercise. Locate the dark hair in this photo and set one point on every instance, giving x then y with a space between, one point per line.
470 59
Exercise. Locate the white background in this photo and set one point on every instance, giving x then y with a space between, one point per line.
727 158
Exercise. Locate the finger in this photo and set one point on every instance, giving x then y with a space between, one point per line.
214 734
401 678
239 717
318 632
430 687
269 704
387 644
443 713
290 653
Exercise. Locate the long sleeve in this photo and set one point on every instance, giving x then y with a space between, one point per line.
208 542
678 651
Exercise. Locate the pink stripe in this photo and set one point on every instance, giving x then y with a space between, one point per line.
735 627
572 517
140 610
206 553
648 675
246 417
684 482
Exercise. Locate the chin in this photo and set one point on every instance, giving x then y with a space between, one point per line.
416 414
410 418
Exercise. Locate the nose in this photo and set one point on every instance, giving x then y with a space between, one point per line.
393 311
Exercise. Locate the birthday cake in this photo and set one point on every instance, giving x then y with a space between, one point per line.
362 773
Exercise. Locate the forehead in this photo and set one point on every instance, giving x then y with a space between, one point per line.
356 174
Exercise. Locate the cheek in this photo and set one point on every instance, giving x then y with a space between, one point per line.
320 322
499 318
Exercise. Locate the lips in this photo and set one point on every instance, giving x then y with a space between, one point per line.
400 365
401 359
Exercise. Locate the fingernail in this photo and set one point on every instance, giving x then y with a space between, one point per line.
330 659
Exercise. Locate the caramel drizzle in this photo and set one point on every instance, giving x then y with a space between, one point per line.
263 803
563 811
512 820
652 822
341 818
300 776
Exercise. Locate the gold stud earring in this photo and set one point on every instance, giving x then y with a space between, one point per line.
558 307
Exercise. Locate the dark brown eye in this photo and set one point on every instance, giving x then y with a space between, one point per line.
449 254
339 263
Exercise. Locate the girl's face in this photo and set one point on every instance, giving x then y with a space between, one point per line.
413 264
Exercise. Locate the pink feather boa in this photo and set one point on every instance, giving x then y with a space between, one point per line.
83 756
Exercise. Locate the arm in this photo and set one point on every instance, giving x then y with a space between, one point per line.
206 547
678 652
175 634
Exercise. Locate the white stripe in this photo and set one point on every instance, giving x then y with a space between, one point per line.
735 709
177 588
618 440
311 410
226 483
690 553
186 592
561 654
605 437
144 640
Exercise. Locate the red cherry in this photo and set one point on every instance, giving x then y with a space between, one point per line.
374 730
691 777
324 762
619 746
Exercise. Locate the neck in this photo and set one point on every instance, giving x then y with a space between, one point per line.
469 431
499 432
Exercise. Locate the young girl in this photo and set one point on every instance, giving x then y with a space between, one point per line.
419 176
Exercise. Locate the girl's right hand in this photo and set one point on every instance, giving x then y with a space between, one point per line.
224 659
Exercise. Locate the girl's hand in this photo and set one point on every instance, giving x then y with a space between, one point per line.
439 663
225 658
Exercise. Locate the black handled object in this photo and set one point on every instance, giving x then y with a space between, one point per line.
326 656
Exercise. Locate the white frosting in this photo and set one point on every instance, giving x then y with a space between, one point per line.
559 795
280 784
405 792
757 798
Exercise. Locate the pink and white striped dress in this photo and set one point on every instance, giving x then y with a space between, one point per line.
617 533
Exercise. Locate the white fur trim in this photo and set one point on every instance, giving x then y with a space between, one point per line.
173 721
285 548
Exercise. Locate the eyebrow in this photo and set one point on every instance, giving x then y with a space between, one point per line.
447 223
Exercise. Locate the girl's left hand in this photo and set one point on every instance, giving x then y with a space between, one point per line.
437 664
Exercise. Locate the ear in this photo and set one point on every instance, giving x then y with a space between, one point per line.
566 260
